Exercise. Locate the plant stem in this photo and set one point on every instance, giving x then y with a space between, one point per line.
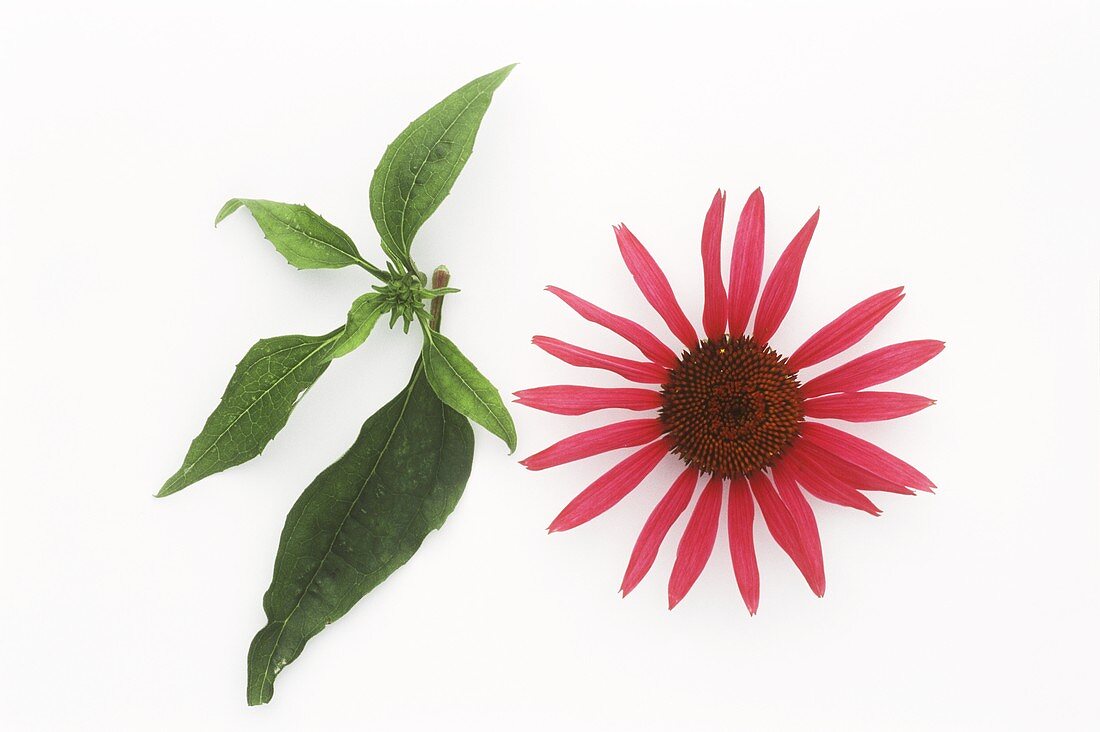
440 277
378 273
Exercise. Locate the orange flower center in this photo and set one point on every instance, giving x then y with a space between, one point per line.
731 407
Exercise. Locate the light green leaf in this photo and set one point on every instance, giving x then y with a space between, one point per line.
364 313
460 385
264 390
358 521
304 238
420 166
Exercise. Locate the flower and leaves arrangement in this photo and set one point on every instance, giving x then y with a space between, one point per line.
368 513
748 424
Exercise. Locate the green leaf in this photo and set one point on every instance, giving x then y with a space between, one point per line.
461 386
304 238
358 521
420 166
264 390
364 313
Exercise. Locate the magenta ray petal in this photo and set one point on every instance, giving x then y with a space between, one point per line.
779 291
654 285
783 529
714 292
650 346
611 487
697 542
819 483
574 400
865 406
656 528
630 433
741 511
845 472
873 368
846 330
870 457
642 372
804 521
746 264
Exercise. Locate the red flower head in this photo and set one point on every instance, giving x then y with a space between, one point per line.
734 410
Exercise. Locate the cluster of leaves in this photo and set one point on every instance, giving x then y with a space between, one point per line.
367 513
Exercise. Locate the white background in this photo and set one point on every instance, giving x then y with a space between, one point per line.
952 149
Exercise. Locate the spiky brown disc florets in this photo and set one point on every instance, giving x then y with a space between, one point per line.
731 406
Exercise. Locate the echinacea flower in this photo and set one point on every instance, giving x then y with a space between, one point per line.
733 410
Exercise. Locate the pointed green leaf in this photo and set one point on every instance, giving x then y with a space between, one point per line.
461 386
420 166
364 313
304 238
358 521
264 389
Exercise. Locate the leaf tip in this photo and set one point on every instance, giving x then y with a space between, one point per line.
172 485
230 206
259 697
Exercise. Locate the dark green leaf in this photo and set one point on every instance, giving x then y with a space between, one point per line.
461 386
358 521
420 166
304 238
264 389
364 313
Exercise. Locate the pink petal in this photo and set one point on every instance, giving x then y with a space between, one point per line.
574 400
819 483
740 517
639 371
804 521
697 542
873 368
845 472
656 528
639 337
630 433
866 406
746 264
784 530
654 285
714 292
611 487
780 288
870 457
846 330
